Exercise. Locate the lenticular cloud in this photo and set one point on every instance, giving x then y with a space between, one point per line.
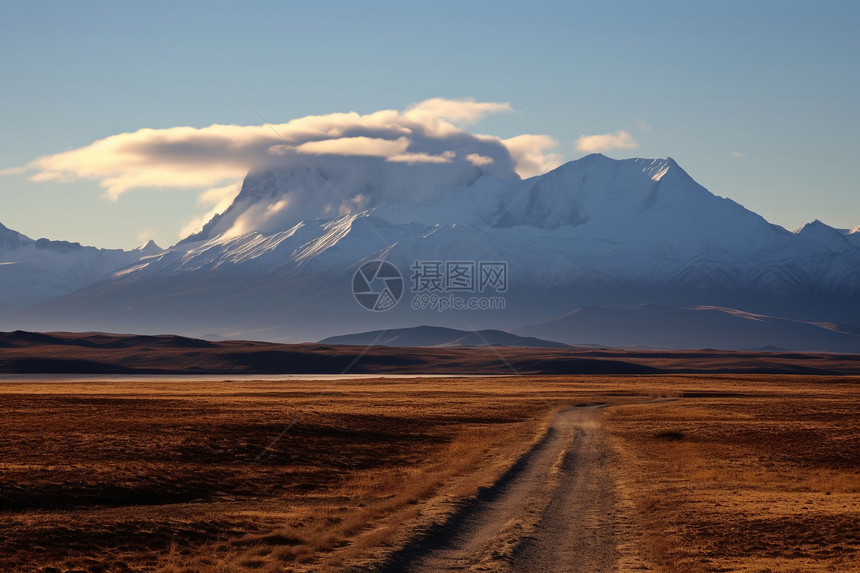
187 157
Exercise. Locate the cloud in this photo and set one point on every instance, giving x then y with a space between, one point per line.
530 153
189 157
457 110
413 158
737 154
257 217
479 160
217 200
178 157
643 126
215 159
366 146
605 142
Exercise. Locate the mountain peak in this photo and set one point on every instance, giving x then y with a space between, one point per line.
815 226
654 168
150 247
595 157
10 239
822 233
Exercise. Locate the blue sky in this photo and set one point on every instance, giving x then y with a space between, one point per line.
759 101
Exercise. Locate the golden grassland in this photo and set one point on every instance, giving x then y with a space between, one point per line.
741 473
754 474
108 476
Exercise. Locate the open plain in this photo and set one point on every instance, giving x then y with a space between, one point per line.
536 473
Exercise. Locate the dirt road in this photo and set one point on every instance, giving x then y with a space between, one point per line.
555 511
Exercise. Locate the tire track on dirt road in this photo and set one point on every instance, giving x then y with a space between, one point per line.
554 511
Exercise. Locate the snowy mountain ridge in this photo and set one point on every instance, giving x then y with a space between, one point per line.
595 231
33 271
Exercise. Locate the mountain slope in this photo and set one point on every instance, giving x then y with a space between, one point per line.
10 239
694 328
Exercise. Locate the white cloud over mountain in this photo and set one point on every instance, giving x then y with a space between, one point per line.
216 199
219 155
605 142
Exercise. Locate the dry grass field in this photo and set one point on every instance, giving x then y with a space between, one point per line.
745 474
739 473
113 476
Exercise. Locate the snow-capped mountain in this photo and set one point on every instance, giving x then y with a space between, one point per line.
35 271
279 262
